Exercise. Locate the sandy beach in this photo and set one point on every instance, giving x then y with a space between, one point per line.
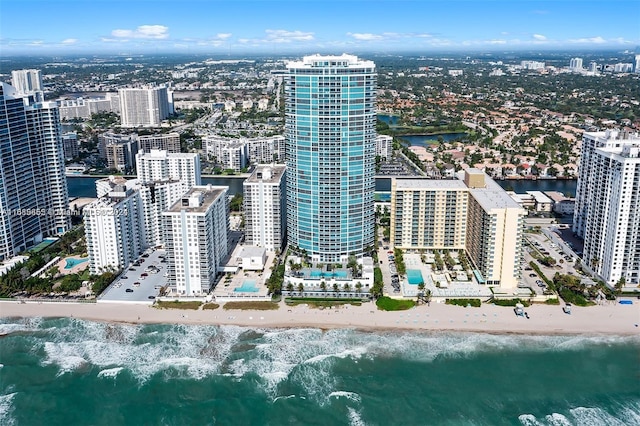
543 319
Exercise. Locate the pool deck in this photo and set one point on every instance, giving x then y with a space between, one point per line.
76 269
225 290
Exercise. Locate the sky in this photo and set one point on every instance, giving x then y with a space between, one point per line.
272 27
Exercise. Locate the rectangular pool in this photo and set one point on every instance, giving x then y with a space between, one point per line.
414 276
248 286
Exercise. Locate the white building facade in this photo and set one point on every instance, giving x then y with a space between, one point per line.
607 211
264 207
144 107
196 230
113 228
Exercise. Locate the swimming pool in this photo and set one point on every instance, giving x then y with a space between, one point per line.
73 262
414 276
248 286
316 273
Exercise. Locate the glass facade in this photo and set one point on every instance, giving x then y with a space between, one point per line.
330 155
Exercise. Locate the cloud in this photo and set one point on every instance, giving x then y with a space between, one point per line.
153 32
365 36
539 37
588 40
223 36
69 41
284 36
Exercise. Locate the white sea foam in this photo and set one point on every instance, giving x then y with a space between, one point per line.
353 396
6 409
355 418
110 372
529 420
594 417
556 419
627 414
196 351
277 398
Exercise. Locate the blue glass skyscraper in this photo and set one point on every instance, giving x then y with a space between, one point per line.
330 155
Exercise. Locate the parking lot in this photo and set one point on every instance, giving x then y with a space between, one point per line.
564 257
140 282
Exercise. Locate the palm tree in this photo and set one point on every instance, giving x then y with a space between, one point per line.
323 286
358 287
290 288
347 287
300 288
336 289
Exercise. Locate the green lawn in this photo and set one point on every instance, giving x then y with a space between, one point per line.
257 306
388 304
177 305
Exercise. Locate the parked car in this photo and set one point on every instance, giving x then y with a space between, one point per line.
129 290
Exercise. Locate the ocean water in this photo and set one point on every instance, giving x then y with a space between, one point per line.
75 372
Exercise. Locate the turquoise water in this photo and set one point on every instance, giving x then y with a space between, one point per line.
72 262
414 276
316 273
248 286
75 372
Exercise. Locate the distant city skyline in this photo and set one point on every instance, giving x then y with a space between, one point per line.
271 27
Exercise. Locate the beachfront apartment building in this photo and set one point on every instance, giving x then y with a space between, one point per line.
471 213
495 226
429 213
196 230
33 187
264 200
113 226
163 178
330 118
144 107
607 209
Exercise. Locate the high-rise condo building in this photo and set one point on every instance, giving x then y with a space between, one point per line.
113 225
160 165
495 223
144 107
118 150
471 213
607 210
33 186
196 230
163 178
575 64
169 142
264 207
330 155
27 81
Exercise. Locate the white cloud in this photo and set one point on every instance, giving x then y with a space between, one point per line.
365 36
155 32
590 40
284 36
223 36
539 37
68 41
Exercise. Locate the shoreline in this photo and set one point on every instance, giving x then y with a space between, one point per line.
618 320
